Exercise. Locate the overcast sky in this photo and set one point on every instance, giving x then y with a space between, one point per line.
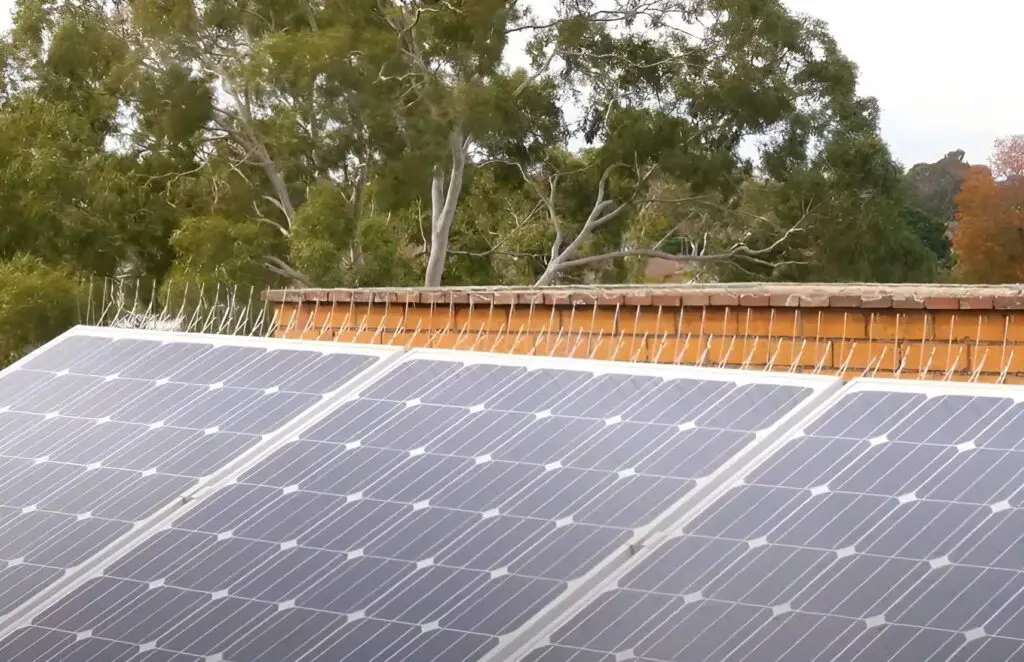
946 74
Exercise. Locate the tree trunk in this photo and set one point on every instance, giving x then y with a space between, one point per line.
442 209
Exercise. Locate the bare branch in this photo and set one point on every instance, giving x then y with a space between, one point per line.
740 252
282 268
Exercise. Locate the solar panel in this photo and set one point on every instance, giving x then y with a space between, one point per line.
444 510
101 429
889 528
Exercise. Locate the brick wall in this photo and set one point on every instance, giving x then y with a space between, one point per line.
909 331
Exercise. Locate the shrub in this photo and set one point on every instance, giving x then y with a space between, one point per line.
38 302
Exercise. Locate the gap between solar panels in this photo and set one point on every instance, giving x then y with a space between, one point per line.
887 526
107 433
446 509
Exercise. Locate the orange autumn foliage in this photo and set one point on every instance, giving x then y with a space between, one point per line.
1008 158
989 237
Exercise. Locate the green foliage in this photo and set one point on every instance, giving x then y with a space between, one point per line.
322 235
37 302
931 231
383 257
334 244
272 142
218 250
856 222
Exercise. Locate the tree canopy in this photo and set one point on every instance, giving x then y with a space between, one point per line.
403 142
989 239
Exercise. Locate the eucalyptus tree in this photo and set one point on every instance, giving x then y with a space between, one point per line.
681 92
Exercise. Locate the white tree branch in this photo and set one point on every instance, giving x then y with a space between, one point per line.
603 211
735 253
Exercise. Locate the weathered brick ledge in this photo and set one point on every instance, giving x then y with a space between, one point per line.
752 295
973 333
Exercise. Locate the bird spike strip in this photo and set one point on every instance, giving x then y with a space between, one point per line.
961 345
903 345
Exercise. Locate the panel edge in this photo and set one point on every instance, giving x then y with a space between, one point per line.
601 366
237 340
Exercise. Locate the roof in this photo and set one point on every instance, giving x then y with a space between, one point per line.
802 295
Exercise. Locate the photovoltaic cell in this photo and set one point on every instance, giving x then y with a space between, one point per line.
420 522
889 529
98 432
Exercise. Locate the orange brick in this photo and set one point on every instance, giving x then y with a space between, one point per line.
286 309
864 355
477 342
996 358
733 350
514 343
709 322
445 340
472 319
839 324
650 320
534 319
800 352
340 316
770 322
937 357
684 351
623 348
779 353
474 342
428 318
972 325
900 325
288 315
380 315
363 337
588 319
319 316
561 345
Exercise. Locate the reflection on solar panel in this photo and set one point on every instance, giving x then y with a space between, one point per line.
889 529
100 430
441 510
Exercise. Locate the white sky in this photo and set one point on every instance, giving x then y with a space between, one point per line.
946 75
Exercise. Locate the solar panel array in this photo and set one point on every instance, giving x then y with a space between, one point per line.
890 528
433 517
474 508
100 431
